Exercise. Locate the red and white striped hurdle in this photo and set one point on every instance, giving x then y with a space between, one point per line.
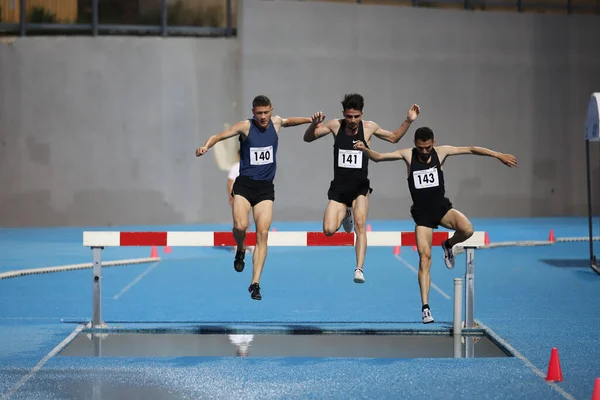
293 239
97 240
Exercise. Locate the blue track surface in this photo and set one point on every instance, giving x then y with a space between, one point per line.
534 298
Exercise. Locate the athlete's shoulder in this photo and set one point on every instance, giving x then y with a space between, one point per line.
369 124
441 149
245 123
334 125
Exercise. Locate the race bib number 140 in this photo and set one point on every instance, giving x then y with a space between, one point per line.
426 178
261 155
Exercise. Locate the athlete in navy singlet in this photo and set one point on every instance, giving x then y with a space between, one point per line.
431 207
253 189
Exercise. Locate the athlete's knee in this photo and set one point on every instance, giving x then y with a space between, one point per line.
262 236
467 230
425 257
329 229
360 224
240 224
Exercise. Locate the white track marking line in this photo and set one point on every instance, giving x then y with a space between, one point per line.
136 280
525 361
504 343
416 271
43 361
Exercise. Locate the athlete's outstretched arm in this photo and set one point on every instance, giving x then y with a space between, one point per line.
394 137
399 154
236 129
507 159
295 121
317 128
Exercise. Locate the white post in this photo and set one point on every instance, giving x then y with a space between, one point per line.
97 338
458 285
457 340
469 346
470 288
457 331
97 287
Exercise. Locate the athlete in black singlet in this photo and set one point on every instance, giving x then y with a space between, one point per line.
431 207
349 191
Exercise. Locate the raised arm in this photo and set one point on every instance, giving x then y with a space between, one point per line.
236 129
394 137
446 151
317 129
399 154
295 121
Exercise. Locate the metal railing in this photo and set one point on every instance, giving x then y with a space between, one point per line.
165 25
96 27
561 6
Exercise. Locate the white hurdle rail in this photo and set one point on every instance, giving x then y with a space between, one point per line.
98 240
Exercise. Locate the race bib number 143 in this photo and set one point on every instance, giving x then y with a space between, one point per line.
426 178
261 155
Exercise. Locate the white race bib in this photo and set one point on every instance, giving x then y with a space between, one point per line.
426 178
350 158
261 155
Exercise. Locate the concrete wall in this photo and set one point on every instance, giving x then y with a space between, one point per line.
101 131
513 83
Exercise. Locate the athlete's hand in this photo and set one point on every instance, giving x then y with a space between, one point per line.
413 112
360 146
201 150
317 118
508 159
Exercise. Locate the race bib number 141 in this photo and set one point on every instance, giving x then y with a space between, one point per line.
426 178
350 158
261 155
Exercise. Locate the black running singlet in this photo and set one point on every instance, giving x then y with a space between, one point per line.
348 162
426 181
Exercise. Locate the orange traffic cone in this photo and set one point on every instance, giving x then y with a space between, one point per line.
554 371
551 237
396 250
369 229
596 393
486 239
154 252
167 249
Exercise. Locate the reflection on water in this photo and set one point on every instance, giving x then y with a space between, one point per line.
283 345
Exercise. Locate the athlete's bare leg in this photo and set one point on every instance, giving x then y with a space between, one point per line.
459 223
360 207
263 216
241 210
424 238
334 215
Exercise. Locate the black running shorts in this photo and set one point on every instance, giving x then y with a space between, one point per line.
252 190
430 216
346 191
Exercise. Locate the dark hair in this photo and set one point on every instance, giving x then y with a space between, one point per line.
353 101
424 134
261 101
